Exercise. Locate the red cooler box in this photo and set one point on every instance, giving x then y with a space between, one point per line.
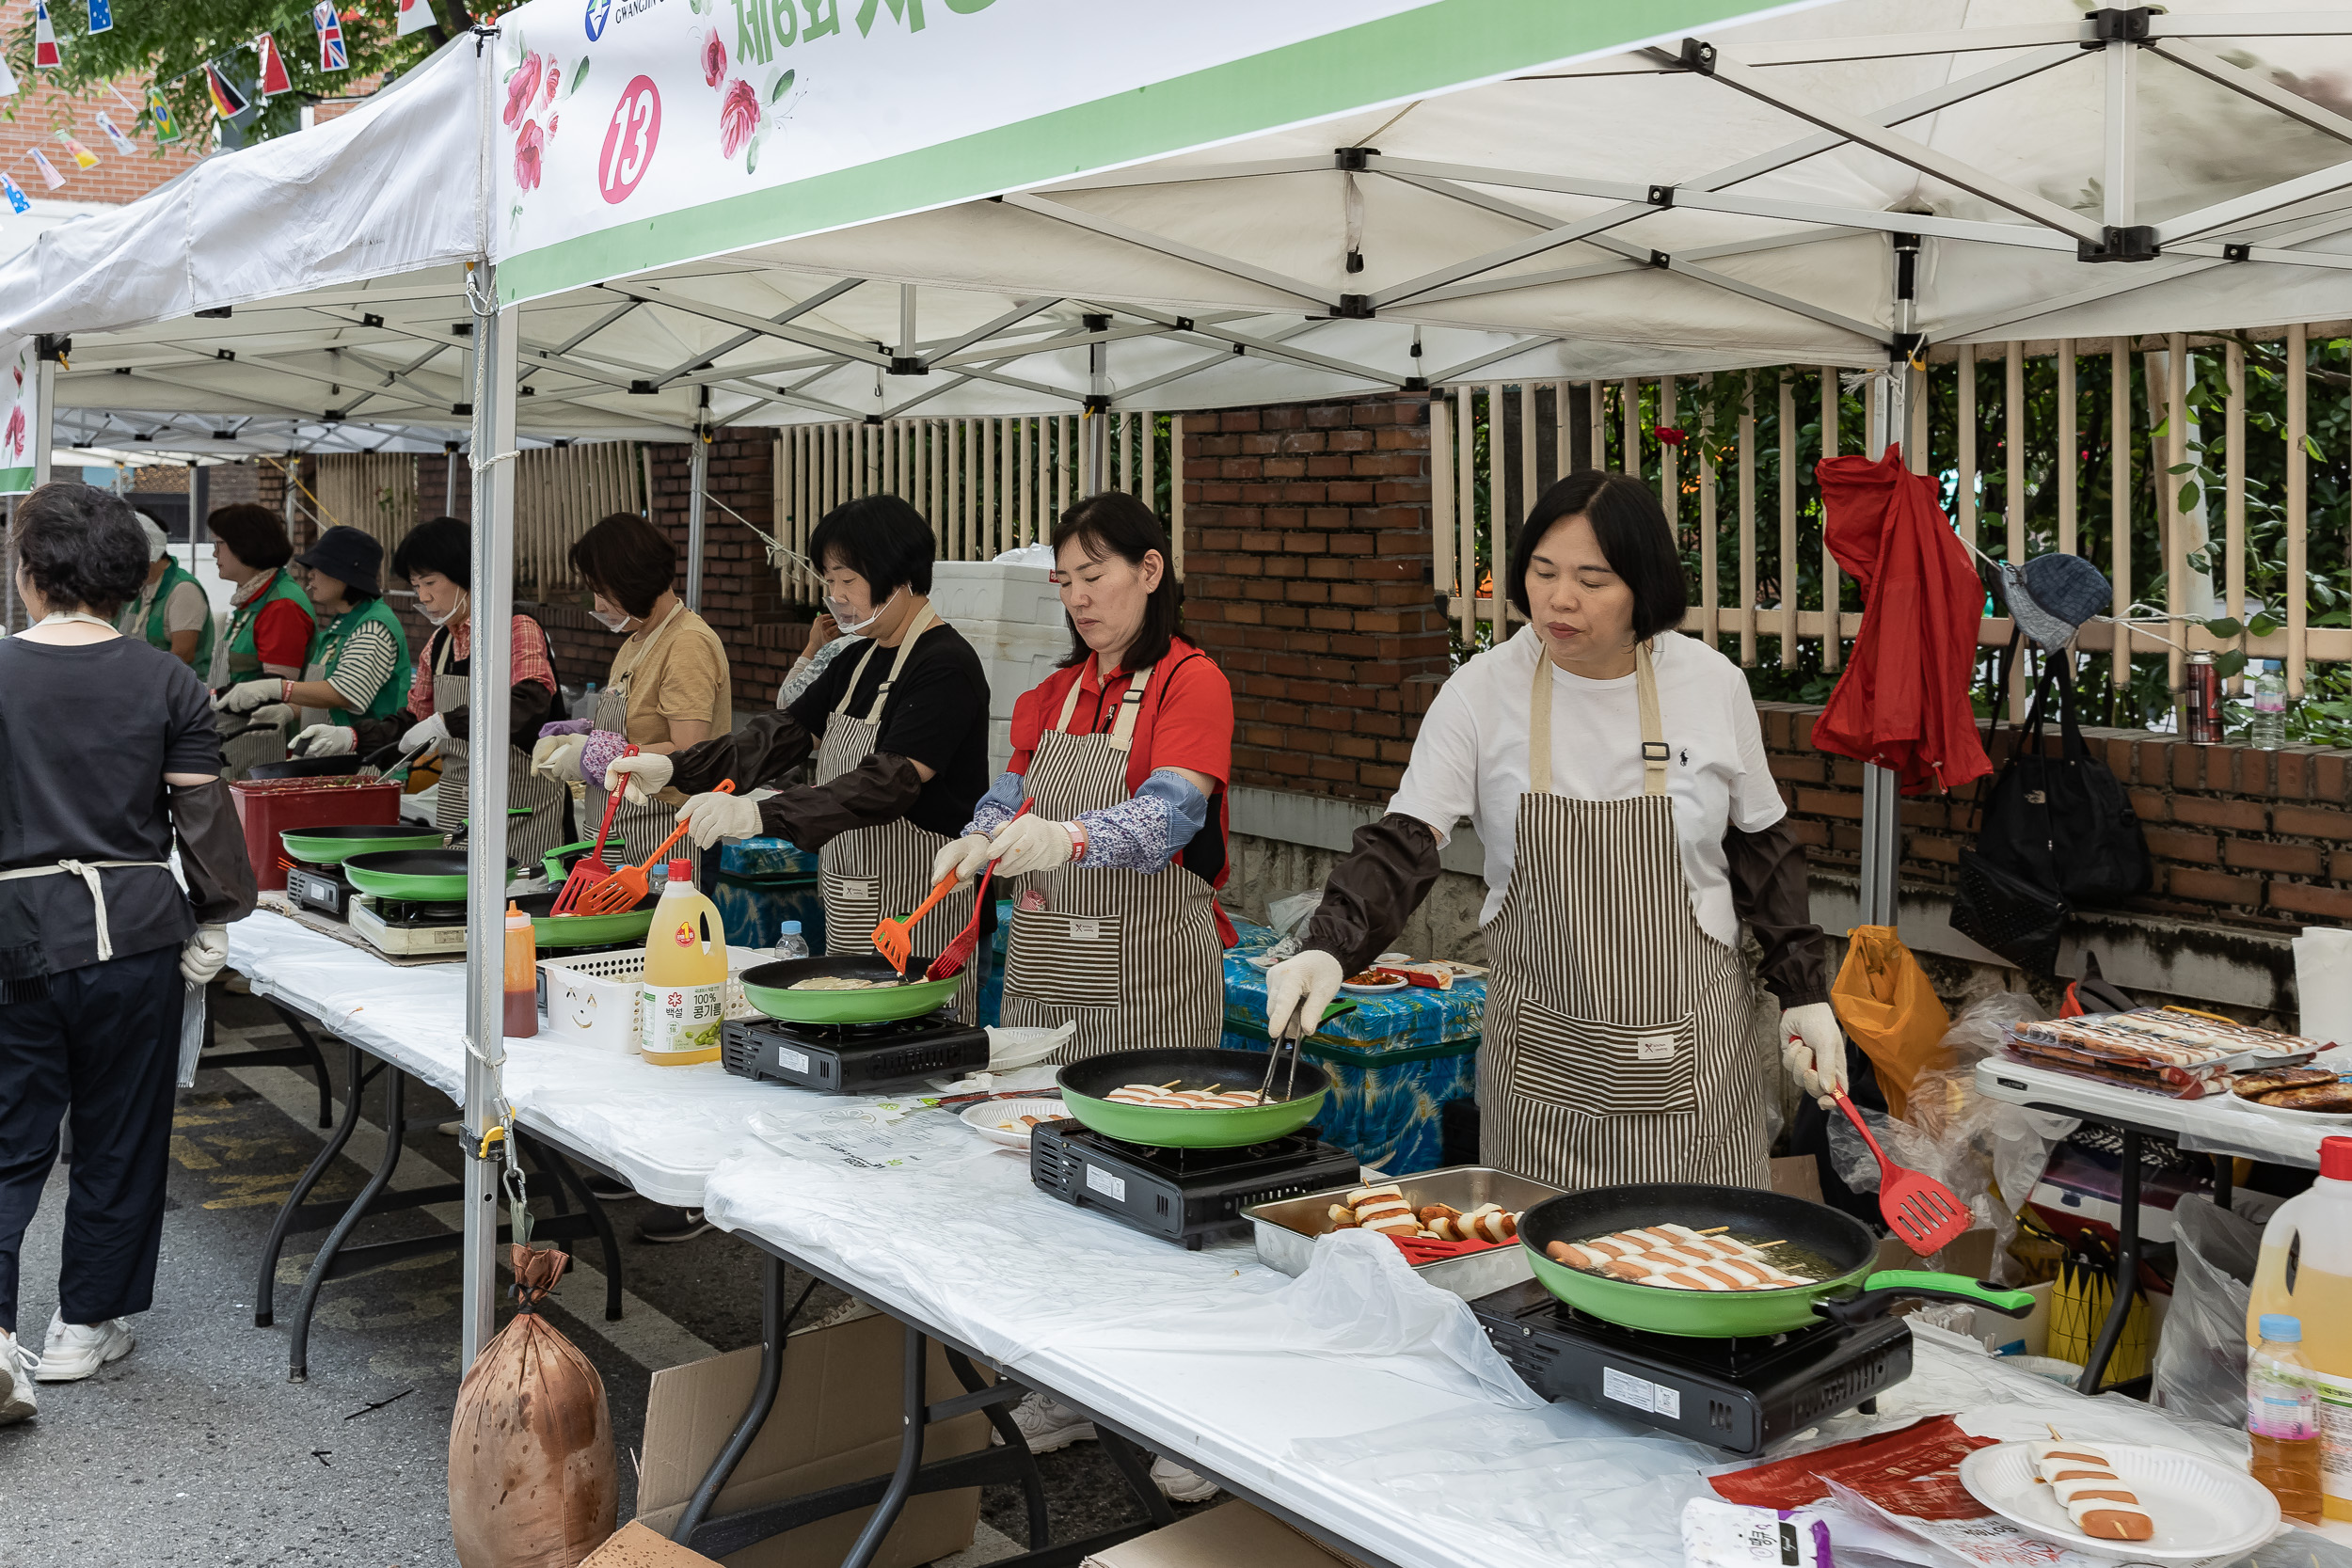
268 807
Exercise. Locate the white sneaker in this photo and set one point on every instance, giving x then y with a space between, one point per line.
1048 1424
17 1397
75 1351
1180 1485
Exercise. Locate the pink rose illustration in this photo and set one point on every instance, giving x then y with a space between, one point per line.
521 89
555 74
528 145
714 59
739 116
551 119
14 438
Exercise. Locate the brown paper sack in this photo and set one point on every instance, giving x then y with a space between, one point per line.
531 1469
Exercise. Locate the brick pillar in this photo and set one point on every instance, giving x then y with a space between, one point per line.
1308 565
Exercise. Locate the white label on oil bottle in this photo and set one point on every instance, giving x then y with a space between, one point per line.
679 1021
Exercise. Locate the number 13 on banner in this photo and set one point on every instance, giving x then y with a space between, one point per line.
630 138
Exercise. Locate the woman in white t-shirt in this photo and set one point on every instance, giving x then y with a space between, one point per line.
1615 772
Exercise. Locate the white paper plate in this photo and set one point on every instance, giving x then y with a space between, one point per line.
2201 1507
2289 1113
984 1119
1373 990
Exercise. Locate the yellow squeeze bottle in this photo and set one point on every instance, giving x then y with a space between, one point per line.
2315 1227
682 998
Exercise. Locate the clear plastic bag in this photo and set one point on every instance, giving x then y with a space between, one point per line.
1286 915
2199 1364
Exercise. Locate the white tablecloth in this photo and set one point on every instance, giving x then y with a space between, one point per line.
2217 1124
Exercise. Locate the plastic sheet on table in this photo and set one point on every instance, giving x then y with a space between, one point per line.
2199 1363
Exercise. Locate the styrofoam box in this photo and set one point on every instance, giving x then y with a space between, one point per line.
1015 658
593 999
983 591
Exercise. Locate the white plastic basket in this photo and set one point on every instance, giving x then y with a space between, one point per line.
593 999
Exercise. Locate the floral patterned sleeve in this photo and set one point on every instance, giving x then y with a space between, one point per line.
1144 832
1000 805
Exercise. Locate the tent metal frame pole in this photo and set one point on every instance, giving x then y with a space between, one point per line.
44 406
697 486
1094 472
487 682
1882 808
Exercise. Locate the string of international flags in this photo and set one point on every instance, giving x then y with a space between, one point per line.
271 78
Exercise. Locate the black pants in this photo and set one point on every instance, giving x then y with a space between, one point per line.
106 1045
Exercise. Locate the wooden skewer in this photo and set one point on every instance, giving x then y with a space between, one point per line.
1712 1230
1783 1241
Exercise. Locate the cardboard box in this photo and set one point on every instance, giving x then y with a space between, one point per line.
635 1546
1233 1535
837 1419
1971 1255
1797 1175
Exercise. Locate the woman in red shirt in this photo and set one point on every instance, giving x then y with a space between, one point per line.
1122 756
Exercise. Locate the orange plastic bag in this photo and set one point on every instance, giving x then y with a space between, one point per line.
530 1470
1889 1008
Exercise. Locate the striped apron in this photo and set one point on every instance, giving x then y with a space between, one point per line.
1134 959
637 829
1616 1045
885 871
526 838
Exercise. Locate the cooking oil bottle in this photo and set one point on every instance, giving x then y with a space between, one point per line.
683 996
2305 1271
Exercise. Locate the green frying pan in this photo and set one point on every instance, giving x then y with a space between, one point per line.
332 846
552 931
1085 1087
1818 1238
423 875
769 988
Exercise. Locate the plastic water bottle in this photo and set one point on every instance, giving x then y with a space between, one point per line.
584 705
2270 707
791 945
2283 1417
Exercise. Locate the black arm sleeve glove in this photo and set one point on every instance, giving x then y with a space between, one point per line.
1371 894
767 748
212 852
1769 891
529 705
880 789
376 734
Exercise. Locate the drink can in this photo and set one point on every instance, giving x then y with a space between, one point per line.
2204 692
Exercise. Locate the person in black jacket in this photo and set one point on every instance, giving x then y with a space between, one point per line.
109 759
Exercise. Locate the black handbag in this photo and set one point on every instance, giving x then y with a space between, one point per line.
2060 819
2019 919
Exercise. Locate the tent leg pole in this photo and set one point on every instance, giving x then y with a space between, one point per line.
1882 843
45 353
485 796
697 489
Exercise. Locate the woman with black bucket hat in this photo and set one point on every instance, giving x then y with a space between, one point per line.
358 662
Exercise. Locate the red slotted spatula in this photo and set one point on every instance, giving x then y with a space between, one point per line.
953 957
591 867
627 888
1927 1215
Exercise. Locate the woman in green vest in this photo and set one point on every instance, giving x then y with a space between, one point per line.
269 631
359 661
171 611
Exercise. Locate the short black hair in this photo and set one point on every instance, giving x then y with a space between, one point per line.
442 544
82 547
254 534
880 537
627 560
1634 538
1116 524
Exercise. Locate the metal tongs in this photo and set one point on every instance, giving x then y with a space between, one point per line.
1291 1034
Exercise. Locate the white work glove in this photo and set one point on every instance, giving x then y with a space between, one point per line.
963 856
326 740
1031 844
557 757
431 727
1813 1048
278 714
202 954
711 818
1304 984
644 775
245 696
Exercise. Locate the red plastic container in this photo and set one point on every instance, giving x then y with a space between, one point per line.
268 807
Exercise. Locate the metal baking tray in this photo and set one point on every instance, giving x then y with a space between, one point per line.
1286 1229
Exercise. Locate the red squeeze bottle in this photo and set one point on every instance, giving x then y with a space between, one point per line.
522 975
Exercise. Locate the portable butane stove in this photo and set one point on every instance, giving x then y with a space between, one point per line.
852 1058
1738 1395
322 888
409 927
1182 1195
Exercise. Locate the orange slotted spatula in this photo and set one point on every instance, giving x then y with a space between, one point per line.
1927 1215
895 939
627 888
953 957
591 867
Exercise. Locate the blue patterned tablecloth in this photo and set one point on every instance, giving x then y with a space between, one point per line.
1379 1027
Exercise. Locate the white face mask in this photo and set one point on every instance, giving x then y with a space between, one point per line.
839 610
609 623
453 612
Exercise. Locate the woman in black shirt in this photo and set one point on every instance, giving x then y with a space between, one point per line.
108 755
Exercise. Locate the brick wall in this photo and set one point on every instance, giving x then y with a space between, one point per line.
40 111
1307 560
2256 838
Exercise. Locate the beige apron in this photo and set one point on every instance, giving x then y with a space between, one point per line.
1133 957
1616 1045
637 829
527 837
874 872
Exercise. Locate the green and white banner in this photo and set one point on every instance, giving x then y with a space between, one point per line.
630 134
17 411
